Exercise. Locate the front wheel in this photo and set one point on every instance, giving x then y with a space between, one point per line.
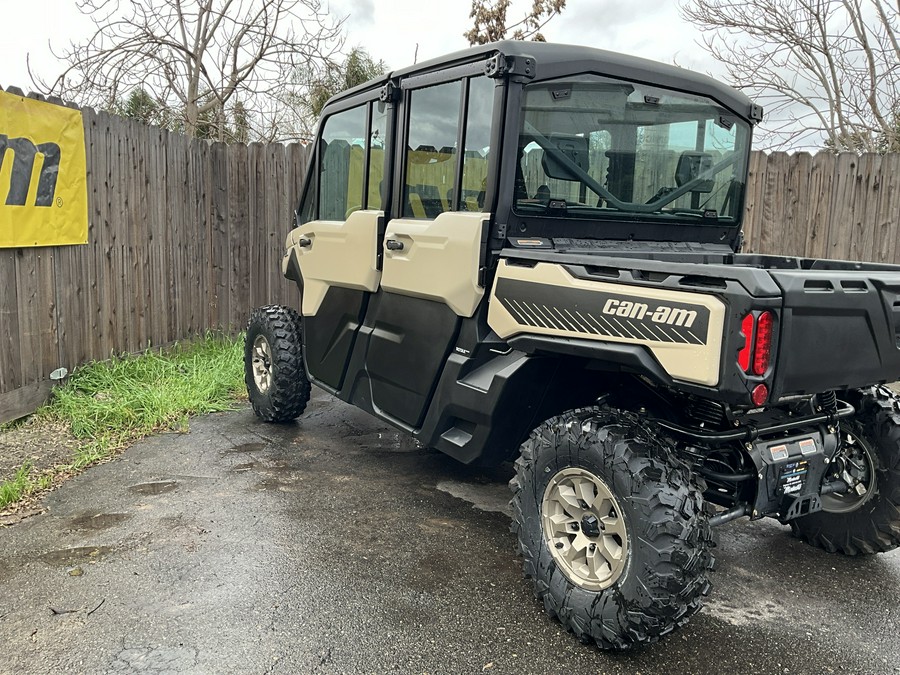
865 519
612 527
273 364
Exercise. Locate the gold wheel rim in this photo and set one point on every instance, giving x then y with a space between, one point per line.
261 364
584 529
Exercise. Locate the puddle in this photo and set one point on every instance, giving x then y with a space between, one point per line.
247 447
97 521
278 484
488 497
281 465
392 441
70 556
155 488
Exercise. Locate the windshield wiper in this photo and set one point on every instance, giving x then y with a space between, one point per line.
591 182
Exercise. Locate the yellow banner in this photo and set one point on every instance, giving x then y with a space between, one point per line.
43 174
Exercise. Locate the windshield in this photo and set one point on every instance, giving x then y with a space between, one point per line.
594 147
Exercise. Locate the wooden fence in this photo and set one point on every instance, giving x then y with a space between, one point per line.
187 236
843 206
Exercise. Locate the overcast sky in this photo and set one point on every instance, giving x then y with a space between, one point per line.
389 30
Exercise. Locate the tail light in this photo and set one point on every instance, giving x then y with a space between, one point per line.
762 347
744 354
755 356
759 395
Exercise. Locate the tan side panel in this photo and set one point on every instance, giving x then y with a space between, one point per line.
439 260
341 253
697 363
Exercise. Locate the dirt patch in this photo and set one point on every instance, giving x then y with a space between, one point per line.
47 447
44 444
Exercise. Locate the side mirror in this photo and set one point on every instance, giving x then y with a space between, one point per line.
692 165
575 148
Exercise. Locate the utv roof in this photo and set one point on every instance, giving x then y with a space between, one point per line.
557 60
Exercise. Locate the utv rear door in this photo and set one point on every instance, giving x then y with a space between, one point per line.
433 249
337 242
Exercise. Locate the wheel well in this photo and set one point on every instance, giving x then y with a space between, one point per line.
534 389
579 382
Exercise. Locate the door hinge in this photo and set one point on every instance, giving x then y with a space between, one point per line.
518 68
390 92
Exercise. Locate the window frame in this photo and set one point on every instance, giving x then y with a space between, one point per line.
508 222
319 141
311 181
463 74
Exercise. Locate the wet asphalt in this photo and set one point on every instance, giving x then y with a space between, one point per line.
336 545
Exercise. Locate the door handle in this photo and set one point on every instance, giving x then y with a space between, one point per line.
393 245
304 242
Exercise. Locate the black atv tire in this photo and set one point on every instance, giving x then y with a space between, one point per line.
273 364
874 526
664 577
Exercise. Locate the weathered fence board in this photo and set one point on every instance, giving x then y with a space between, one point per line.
844 206
184 237
187 236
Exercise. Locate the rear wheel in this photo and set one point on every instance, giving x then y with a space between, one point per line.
273 364
866 518
612 527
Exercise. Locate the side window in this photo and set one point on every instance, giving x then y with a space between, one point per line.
478 141
377 135
431 150
341 154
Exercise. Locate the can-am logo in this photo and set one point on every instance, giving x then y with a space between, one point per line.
669 316
23 153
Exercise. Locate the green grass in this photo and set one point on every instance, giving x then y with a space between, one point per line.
112 403
14 489
6 426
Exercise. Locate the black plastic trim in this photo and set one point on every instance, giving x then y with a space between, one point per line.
441 76
328 337
407 351
757 283
293 270
611 356
482 411
836 317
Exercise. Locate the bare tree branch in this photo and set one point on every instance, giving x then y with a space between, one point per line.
197 58
490 20
826 70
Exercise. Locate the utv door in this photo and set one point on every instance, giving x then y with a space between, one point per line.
337 244
433 248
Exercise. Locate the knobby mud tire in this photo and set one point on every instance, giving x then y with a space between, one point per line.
875 526
289 389
669 538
